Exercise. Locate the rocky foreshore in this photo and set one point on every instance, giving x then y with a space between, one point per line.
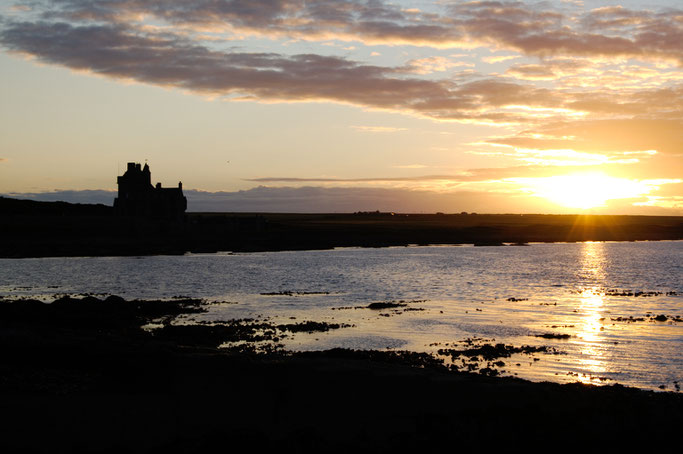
94 374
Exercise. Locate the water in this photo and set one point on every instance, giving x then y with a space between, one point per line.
497 294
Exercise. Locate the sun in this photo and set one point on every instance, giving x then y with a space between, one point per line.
586 190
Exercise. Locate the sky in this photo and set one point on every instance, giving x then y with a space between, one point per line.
290 105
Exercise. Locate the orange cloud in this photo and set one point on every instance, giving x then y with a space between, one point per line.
626 135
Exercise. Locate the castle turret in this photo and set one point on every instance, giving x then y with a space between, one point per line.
146 174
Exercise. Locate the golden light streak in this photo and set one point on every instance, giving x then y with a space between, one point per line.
591 309
585 190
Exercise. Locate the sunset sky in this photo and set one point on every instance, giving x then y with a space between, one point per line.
289 105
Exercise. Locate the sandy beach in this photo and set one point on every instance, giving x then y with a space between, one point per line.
81 375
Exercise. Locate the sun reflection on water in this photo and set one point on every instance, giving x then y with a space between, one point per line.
591 310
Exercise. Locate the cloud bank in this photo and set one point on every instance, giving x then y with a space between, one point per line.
114 38
535 28
312 199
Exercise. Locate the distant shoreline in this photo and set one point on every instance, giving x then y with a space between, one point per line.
57 229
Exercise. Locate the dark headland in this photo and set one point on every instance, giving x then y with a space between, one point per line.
41 229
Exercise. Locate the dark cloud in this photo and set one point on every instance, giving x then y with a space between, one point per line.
452 178
606 32
310 200
347 200
665 102
259 13
118 51
536 29
360 20
71 196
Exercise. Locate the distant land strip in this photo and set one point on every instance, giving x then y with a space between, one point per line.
52 229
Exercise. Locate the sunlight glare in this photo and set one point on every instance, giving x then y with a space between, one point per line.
588 190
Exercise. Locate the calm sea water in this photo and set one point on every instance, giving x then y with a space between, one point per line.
492 294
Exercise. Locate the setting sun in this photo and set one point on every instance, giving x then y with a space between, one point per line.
589 190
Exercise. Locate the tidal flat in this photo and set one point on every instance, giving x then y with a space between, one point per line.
96 374
611 312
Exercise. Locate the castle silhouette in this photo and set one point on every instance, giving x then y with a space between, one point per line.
137 197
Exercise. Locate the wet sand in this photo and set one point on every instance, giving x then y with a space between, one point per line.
80 375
